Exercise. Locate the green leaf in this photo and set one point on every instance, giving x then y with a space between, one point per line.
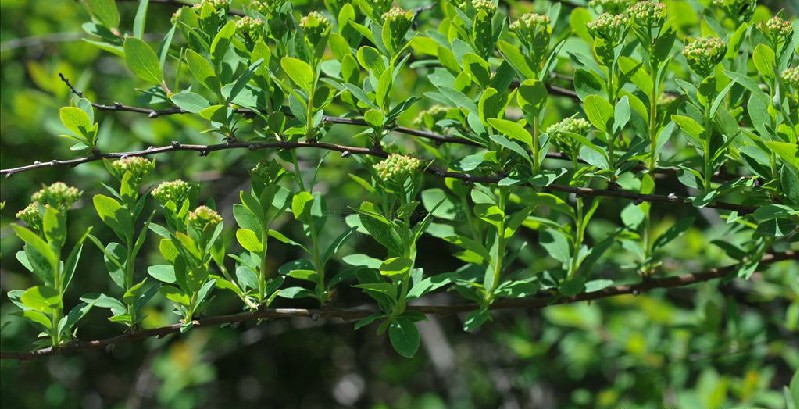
477 68
142 61
299 71
221 42
404 337
690 127
556 244
202 70
77 121
516 59
621 114
789 152
41 298
301 205
190 101
512 129
395 266
140 19
38 246
105 11
163 273
765 60
599 112
531 95
249 240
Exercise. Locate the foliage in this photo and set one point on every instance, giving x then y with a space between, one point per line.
556 153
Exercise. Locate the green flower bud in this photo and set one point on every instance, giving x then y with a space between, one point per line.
485 6
266 7
535 32
316 27
57 195
610 6
266 173
704 54
397 168
610 27
398 22
203 217
791 76
252 29
430 116
559 132
736 8
138 168
649 14
216 4
175 191
31 216
777 29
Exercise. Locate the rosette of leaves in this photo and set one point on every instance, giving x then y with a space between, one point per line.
255 283
121 212
189 243
391 281
45 239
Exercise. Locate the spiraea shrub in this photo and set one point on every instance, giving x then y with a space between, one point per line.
380 162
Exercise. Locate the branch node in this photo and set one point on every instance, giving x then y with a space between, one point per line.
345 154
152 114
175 144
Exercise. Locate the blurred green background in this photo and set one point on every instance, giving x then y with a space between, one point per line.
709 346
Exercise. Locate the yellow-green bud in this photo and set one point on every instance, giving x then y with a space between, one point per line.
203 217
430 116
175 191
734 8
266 7
31 216
534 31
703 54
791 76
250 28
57 195
138 168
648 13
610 6
399 21
486 6
397 168
216 4
316 27
777 28
610 27
266 173
559 132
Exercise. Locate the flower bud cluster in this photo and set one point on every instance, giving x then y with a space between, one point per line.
175 191
610 6
397 168
430 116
559 131
266 173
266 7
610 27
316 27
216 4
251 28
31 216
791 76
399 22
704 54
534 31
777 28
58 196
734 8
136 166
203 217
486 6
648 13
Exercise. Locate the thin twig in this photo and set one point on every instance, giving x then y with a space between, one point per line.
355 150
351 314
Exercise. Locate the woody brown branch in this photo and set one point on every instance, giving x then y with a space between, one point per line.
351 314
354 150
